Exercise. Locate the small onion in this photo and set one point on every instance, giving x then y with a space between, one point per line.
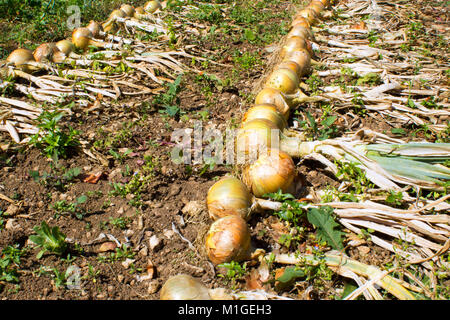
300 20
228 239
152 6
284 80
274 97
82 38
291 65
308 14
48 52
302 57
128 10
316 6
294 43
267 112
118 13
184 287
96 29
65 46
255 136
300 31
271 172
20 57
228 196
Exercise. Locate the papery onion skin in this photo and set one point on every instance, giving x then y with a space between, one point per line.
65 46
152 6
308 14
254 137
228 239
267 112
82 38
300 20
118 13
271 172
273 97
128 10
184 287
48 52
317 6
300 31
228 196
294 43
21 56
302 57
95 28
284 80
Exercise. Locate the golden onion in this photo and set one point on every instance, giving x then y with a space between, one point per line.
65 46
48 52
254 137
302 57
184 287
291 65
96 29
308 14
269 96
21 59
152 6
228 239
283 79
316 6
300 20
272 172
128 10
82 38
294 43
267 112
228 196
300 31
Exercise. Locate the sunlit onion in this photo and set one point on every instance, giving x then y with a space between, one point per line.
254 137
228 239
272 172
291 65
228 196
267 112
316 6
184 287
302 57
48 52
65 46
300 20
300 31
269 96
21 59
308 14
82 38
152 6
294 43
96 29
284 80
128 10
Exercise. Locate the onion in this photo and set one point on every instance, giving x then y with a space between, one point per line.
82 38
308 14
111 24
228 196
294 43
300 31
48 52
269 96
316 6
228 239
254 137
65 46
300 20
271 172
22 59
291 65
284 80
152 6
96 29
128 10
302 57
184 287
267 112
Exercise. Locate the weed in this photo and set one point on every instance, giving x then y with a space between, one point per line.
59 178
235 271
10 259
326 130
63 206
49 239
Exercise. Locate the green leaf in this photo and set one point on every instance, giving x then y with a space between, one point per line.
290 274
322 219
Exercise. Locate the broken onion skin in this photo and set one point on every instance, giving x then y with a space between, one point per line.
228 239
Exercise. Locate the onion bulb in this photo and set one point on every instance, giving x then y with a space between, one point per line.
302 57
308 14
228 239
267 112
271 172
65 46
300 31
22 59
254 137
128 10
294 43
269 96
316 6
48 52
96 29
228 196
82 38
184 287
300 20
111 24
284 80
152 6
291 65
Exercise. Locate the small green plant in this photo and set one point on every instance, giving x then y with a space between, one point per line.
326 130
120 223
63 206
168 100
49 239
235 271
58 178
10 260
122 253
52 139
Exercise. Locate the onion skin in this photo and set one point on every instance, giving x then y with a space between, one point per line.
65 46
228 239
128 10
284 80
308 14
254 137
302 57
48 52
300 20
269 96
270 173
316 6
294 43
152 6
184 287
267 112
228 196
20 57
82 38
95 28
300 31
